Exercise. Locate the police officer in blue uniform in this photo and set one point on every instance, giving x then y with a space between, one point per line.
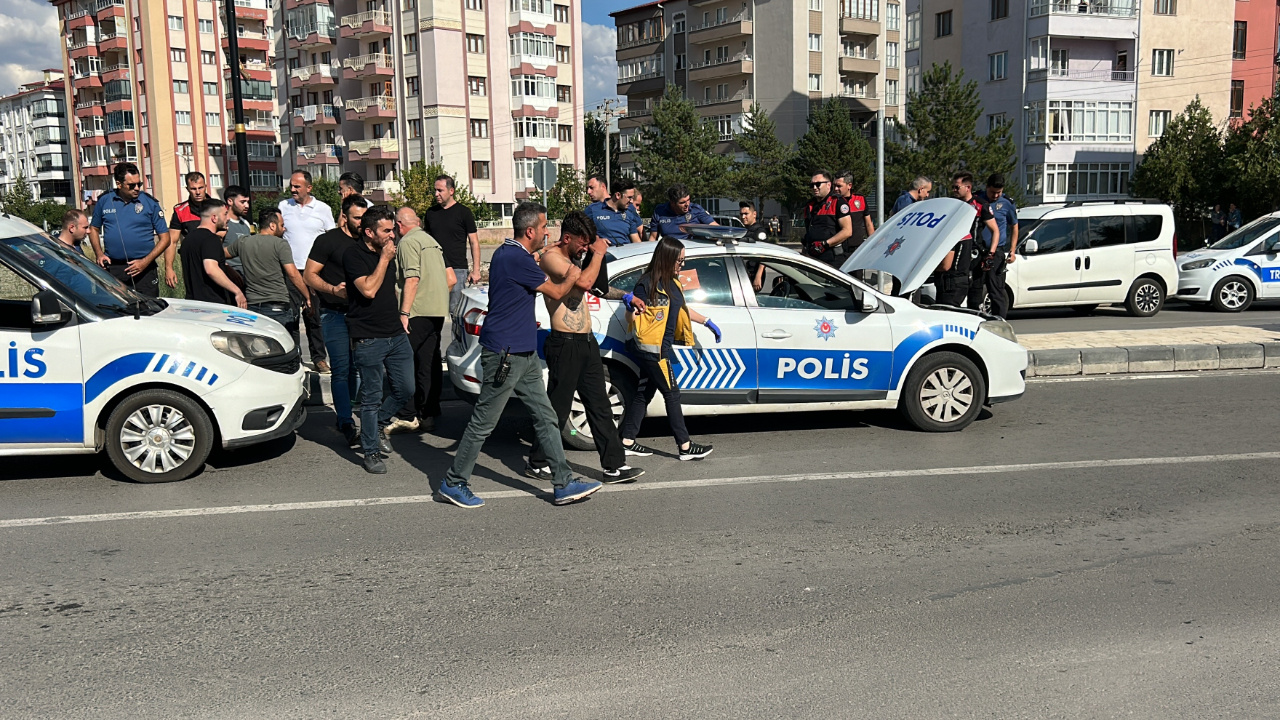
128 231
988 275
678 210
615 220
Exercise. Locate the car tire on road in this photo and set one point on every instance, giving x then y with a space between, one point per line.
1146 297
944 392
620 388
1232 294
157 436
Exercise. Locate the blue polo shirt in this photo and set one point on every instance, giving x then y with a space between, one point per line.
666 222
904 200
615 226
514 277
128 229
1006 214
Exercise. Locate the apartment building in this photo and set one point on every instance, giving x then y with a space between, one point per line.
1254 54
1187 52
35 139
149 84
486 87
727 54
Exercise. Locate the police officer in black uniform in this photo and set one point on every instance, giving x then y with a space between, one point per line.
756 232
953 274
827 222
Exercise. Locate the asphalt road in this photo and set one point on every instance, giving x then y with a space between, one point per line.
1264 314
1101 548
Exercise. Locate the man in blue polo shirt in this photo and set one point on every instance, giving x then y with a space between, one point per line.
128 231
989 272
678 210
612 213
920 189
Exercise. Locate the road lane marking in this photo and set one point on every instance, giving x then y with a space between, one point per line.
671 485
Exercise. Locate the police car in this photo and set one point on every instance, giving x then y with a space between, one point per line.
811 338
1238 269
86 364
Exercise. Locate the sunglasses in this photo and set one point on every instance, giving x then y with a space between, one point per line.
131 186
818 184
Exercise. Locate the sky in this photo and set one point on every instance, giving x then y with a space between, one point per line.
598 39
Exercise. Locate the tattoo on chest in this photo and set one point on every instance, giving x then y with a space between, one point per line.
576 315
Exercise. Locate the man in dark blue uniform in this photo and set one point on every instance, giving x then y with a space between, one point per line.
128 231
827 223
988 275
678 210
614 218
921 187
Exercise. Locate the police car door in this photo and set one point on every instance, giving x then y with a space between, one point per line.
712 373
41 390
1264 259
813 342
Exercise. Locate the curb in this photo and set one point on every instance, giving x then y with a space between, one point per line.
1151 359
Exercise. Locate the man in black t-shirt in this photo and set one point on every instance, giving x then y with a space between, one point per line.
756 232
382 349
953 274
454 227
324 274
204 260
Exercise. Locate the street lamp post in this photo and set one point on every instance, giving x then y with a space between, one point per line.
237 94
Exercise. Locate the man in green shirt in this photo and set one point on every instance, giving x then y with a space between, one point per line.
267 265
424 283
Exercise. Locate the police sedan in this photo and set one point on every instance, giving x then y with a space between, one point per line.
799 335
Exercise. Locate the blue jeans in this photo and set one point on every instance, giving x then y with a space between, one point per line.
345 382
378 358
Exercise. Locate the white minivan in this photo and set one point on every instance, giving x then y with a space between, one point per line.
1086 254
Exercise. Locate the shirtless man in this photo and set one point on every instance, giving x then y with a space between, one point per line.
573 356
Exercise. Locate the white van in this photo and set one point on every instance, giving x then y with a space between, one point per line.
1083 255
86 364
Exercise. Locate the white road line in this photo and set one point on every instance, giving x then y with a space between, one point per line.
641 487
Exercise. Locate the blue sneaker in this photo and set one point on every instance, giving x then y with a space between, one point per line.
575 491
459 495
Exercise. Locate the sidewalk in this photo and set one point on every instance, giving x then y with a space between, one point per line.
1224 347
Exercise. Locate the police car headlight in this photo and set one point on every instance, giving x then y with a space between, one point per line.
246 346
1001 328
1198 264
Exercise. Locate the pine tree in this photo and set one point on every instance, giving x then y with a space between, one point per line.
680 148
758 175
831 143
1183 166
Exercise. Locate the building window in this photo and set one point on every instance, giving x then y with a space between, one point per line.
535 86
1080 121
682 61
1158 122
562 54
475 4
206 26
208 57
996 121
913 80
998 66
475 44
815 5
180 87
1237 99
942 24
210 88
1166 7
640 68
815 42
415 129
182 117
1077 180
212 119
815 82
564 93
533 44
411 86
677 23
565 133
891 54
999 9
178 55
1239 40
175 23
891 92
535 128
893 17
479 169
477 86
184 149
1162 63
411 43
562 13
479 128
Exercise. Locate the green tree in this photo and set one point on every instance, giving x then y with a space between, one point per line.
679 147
593 131
417 190
19 200
1252 167
1183 167
940 136
327 192
756 174
264 200
831 143
568 194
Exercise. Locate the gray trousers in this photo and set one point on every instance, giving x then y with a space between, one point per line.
525 380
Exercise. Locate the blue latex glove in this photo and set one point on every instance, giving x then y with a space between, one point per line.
627 300
714 330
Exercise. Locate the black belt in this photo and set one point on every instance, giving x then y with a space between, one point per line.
572 336
274 306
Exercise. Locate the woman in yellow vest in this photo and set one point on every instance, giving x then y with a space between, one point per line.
664 322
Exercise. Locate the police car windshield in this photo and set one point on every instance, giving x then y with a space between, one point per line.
1247 234
76 274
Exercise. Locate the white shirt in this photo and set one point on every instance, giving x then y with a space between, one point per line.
303 224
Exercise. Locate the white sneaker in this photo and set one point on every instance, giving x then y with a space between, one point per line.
399 425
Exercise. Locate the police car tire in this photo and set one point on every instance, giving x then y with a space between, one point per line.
912 406
625 389
1141 295
1239 292
195 418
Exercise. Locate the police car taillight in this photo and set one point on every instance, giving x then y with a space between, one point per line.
473 320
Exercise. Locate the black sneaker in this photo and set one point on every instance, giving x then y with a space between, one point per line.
373 464
637 449
695 451
538 473
351 434
426 424
624 474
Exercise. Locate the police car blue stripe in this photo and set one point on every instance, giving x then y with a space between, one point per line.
187 372
115 371
213 379
200 375
160 363
65 425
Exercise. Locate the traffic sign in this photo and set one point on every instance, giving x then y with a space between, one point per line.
544 175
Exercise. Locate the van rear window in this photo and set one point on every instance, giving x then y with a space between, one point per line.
1146 228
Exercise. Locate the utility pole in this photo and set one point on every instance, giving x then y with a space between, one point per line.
606 110
237 94
880 197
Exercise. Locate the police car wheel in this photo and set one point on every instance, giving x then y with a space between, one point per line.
577 431
1146 297
1232 294
944 392
156 436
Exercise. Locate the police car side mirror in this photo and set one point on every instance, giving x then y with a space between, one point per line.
47 309
869 303
1273 245
1030 247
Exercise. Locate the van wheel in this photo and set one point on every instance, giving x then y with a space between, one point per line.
619 387
1146 297
156 436
1232 294
944 392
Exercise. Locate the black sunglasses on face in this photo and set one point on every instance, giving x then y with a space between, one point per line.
131 186
818 184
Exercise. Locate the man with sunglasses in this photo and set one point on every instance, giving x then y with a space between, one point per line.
827 222
128 232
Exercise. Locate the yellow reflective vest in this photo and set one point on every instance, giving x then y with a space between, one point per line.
648 327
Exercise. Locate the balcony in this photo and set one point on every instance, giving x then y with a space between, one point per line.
313 36
652 81
530 21
855 62
318 154
89 108
84 79
1117 76
1111 19
381 191
77 19
247 40
717 30
369 108
371 23
318 115
1104 8
251 9
315 76
859 24
81 49
640 42
108 8
260 126
719 105
119 71
291 4
721 67
365 66
251 70
381 149
860 101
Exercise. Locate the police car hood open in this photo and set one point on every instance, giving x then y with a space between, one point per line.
911 244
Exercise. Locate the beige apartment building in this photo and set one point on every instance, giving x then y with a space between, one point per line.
727 54
1186 51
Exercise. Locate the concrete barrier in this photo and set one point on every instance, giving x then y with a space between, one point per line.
1151 359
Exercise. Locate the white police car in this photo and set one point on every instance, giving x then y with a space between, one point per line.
1238 269
87 364
811 338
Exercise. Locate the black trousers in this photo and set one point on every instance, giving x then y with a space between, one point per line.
424 339
145 283
952 290
574 365
315 336
984 283
655 380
